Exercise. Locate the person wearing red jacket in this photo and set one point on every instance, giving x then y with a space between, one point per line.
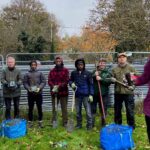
58 79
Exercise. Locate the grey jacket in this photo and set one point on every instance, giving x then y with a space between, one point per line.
34 78
8 76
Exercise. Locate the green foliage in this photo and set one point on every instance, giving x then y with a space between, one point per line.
81 139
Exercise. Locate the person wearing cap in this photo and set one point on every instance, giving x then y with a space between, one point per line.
11 80
58 79
81 80
101 75
122 93
34 82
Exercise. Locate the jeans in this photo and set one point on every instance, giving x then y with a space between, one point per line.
8 107
32 97
147 119
63 102
129 104
87 106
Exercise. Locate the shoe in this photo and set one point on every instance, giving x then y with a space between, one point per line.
89 128
30 124
40 124
78 126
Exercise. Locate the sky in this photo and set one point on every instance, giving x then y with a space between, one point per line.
71 14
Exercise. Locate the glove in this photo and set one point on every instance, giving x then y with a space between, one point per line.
37 90
90 98
131 87
98 78
55 89
73 86
96 73
113 79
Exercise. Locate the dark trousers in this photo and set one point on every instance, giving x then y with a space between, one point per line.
147 119
63 102
32 98
8 107
129 104
87 106
96 100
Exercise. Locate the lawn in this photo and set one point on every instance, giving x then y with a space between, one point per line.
80 139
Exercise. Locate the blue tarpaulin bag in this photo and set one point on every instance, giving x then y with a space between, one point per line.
14 128
116 137
1 130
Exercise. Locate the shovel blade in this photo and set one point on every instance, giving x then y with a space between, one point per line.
55 124
70 125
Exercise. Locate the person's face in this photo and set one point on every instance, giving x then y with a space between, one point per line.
11 62
80 66
102 65
122 60
58 62
33 66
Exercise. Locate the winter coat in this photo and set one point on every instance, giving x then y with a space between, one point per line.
34 78
141 80
104 82
84 83
60 77
119 73
7 77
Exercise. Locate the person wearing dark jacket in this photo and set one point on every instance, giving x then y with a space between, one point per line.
101 75
11 80
82 81
58 79
141 80
34 82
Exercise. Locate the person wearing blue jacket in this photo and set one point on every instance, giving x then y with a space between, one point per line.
82 82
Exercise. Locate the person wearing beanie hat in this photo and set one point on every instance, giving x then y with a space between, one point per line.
122 93
82 81
58 79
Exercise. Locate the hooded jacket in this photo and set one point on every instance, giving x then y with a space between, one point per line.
83 80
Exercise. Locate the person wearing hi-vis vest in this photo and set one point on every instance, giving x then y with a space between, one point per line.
11 81
34 82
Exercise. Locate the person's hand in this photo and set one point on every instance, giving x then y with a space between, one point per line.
90 98
37 90
113 79
55 89
73 86
131 87
96 73
98 78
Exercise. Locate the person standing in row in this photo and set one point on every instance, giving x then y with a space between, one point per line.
34 82
58 79
11 80
122 93
101 75
81 80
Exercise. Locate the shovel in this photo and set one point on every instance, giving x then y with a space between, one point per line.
70 125
55 123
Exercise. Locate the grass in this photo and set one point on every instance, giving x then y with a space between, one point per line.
81 139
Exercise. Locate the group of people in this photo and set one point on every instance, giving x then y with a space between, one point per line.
91 88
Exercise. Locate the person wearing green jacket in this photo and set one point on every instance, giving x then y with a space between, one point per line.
102 76
122 93
11 80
